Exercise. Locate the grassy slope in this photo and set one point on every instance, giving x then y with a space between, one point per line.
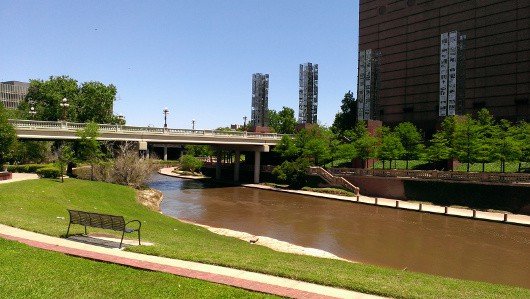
27 272
36 205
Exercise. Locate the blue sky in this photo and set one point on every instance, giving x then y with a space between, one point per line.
195 57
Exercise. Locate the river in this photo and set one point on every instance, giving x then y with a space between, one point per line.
400 239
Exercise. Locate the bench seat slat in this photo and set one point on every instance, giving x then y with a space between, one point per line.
105 221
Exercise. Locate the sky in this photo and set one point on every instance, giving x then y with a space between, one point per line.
195 57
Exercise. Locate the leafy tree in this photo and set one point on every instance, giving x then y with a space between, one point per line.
347 117
282 122
506 145
390 147
199 150
314 143
28 151
89 148
363 142
486 129
96 102
287 148
411 140
46 97
8 136
467 140
442 141
90 101
65 155
522 135
190 163
293 173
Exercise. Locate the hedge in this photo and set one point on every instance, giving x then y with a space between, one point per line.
49 172
26 168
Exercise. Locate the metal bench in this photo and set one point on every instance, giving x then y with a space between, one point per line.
113 222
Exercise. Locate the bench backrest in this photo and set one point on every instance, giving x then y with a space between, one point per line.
97 220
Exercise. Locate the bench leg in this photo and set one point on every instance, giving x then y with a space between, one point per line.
68 230
122 234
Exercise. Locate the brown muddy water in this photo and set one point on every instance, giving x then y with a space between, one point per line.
400 239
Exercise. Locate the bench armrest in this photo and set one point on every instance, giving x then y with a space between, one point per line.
139 224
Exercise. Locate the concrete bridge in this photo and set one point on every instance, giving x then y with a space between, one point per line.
159 137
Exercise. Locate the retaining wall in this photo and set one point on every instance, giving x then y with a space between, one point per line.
514 198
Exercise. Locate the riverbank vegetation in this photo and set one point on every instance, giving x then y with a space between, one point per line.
40 205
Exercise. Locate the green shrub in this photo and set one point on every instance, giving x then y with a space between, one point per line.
26 168
293 173
49 172
190 163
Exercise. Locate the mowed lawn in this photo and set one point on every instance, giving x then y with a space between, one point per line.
40 206
27 272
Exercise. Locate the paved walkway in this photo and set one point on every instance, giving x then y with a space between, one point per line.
222 275
20 177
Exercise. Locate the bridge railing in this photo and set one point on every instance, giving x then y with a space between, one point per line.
70 126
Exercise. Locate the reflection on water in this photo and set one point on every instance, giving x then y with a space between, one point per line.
400 239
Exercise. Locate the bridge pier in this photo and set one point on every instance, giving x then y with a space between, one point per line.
218 164
165 152
236 166
257 166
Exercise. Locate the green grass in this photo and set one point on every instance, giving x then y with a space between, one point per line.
40 205
335 191
27 272
511 167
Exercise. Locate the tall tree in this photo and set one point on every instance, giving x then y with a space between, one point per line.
363 142
486 127
522 135
8 136
390 147
411 140
282 122
467 140
89 148
441 147
347 117
90 101
96 102
506 145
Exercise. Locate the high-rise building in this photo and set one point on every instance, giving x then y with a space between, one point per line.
422 60
260 100
308 94
12 93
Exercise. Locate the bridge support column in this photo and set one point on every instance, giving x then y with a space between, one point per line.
218 165
257 166
165 152
236 166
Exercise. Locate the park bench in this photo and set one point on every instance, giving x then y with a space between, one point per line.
113 222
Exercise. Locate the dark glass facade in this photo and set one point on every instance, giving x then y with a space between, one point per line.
405 37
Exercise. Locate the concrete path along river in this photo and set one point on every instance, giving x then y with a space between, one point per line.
415 241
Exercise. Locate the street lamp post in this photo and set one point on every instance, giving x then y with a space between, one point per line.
32 112
244 121
166 112
65 105
193 124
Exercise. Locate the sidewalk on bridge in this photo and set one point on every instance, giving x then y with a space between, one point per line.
216 274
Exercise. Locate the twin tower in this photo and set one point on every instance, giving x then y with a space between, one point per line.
307 96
